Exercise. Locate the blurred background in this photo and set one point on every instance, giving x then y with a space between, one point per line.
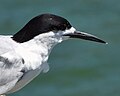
77 67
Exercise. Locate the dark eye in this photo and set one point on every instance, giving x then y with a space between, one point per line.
62 27
59 27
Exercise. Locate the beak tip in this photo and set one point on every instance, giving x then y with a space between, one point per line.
101 41
106 42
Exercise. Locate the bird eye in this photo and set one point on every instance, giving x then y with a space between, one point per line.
62 27
65 25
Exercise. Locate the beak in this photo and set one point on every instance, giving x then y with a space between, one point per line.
85 36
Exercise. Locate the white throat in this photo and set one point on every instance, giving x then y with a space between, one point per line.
48 40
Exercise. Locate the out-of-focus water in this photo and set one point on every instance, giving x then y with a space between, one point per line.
77 67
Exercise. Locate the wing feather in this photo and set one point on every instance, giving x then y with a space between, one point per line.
10 71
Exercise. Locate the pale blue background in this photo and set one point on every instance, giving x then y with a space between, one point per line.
77 67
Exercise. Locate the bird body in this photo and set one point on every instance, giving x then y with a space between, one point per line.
24 55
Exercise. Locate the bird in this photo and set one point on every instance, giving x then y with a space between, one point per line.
24 55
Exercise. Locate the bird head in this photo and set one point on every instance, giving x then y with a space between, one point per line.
49 25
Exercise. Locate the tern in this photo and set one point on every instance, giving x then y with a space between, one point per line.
24 55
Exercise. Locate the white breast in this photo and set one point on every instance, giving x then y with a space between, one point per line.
34 64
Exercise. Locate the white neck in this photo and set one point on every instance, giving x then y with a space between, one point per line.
38 49
48 40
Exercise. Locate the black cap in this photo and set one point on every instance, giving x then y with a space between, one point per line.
41 24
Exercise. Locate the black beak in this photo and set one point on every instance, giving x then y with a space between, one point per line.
85 36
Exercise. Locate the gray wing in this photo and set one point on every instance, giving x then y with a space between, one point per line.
10 71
